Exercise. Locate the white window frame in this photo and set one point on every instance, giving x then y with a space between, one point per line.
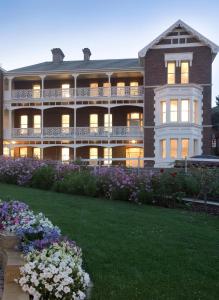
171 76
65 90
174 112
93 121
184 110
184 74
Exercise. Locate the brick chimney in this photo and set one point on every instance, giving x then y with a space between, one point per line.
87 54
57 55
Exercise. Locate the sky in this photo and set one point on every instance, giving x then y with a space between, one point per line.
29 29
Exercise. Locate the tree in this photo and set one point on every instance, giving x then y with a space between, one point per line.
217 100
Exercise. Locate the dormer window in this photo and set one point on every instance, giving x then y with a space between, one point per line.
171 72
184 72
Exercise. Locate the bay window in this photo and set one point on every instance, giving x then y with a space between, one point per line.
173 110
163 109
185 148
173 148
163 149
185 110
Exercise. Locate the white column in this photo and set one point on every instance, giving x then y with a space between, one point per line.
10 86
10 128
75 112
179 151
191 110
168 148
191 143
42 85
168 110
109 110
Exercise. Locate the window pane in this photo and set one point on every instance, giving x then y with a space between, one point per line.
93 156
134 153
106 89
163 112
36 153
24 124
65 154
65 90
120 88
108 122
134 88
173 148
171 66
94 89
65 121
135 119
93 122
23 152
173 110
107 153
185 148
6 151
184 110
185 72
163 150
36 91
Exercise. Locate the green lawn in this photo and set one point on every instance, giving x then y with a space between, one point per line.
135 252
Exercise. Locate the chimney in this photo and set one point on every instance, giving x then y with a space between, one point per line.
87 54
57 55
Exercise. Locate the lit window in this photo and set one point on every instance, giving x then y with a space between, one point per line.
134 88
135 119
24 124
185 148
120 88
184 110
108 122
37 124
163 112
173 148
137 154
93 156
65 154
93 122
107 153
163 149
173 110
6 151
36 91
171 70
23 152
36 153
65 123
65 90
106 89
94 89
195 112
185 72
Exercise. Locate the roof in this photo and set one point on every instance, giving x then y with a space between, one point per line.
214 47
81 65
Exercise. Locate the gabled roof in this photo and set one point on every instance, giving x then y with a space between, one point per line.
214 47
81 65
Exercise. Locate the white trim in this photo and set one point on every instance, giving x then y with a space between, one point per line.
214 47
178 58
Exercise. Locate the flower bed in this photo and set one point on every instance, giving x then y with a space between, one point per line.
53 268
164 188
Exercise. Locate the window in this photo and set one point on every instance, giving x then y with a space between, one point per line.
195 111
6 151
185 110
171 70
24 124
185 147
120 88
107 154
106 89
93 122
36 153
23 152
93 156
163 111
195 147
36 91
108 122
37 124
94 89
173 148
134 88
137 154
65 90
65 154
185 72
173 111
163 149
135 119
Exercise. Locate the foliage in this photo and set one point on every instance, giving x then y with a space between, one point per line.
43 178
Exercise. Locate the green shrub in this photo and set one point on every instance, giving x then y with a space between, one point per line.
43 178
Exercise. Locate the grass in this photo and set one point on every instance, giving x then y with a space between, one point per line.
135 252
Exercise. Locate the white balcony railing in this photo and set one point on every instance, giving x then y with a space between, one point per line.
78 132
84 92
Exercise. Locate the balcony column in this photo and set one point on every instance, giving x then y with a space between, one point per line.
10 127
75 112
42 85
109 74
10 78
191 110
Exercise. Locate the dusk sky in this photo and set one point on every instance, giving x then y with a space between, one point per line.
29 29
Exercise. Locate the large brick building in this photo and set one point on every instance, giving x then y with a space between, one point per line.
148 110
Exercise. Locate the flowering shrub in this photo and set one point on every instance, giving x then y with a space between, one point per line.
55 273
53 268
